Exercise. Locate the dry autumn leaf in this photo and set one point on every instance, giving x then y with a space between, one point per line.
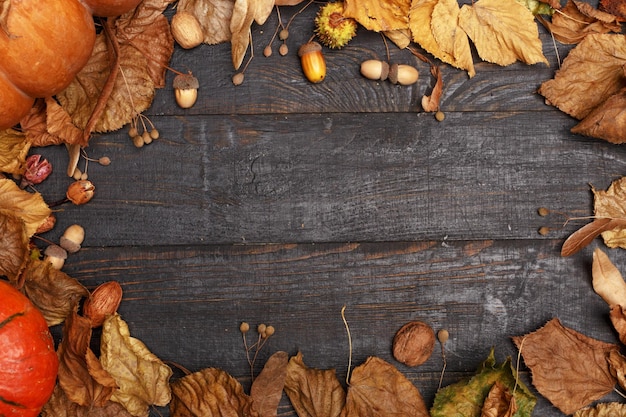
611 204
618 320
602 410
29 207
214 18
267 387
607 281
210 392
313 392
499 402
583 236
503 31
617 363
48 123
142 378
614 7
590 74
52 291
377 388
83 380
568 368
607 121
379 16
13 151
14 250
60 406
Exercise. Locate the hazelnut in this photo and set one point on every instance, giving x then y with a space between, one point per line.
185 90
403 74
414 343
102 302
56 255
186 29
72 238
80 192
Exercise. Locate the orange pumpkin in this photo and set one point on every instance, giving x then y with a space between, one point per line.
28 361
44 44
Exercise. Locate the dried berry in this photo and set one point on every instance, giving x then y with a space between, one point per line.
37 170
238 78
414 343
333 29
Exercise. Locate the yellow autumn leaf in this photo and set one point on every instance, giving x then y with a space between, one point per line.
142 378
13 150
602 410
30 207
503 32
611 204
434 26
607 281
377 15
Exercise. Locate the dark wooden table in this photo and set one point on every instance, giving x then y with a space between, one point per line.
280 201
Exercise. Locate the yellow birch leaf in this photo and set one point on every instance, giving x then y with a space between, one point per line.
13 150
30 207
503 32
377 15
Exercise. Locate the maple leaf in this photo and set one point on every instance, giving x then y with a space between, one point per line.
141 376
214 18
313 392
434 26
267 387
568 368
590 74
13 151
210 392
377 388
602 410
379 16
467 397
503 31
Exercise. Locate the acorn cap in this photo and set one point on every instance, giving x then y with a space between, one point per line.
185 82
69 245
55 251
393 73
309 47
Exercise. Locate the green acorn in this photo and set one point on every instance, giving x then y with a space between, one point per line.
333 29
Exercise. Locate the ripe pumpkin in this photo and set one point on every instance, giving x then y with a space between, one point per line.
44 44
28 361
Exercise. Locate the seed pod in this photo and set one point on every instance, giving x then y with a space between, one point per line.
185 90
312 61
375 69
403 74
80 192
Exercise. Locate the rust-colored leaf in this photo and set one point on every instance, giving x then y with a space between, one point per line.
378 389
13 245
313 392
267 388
607 281
586 234
618 319
607 121
568 368
499 402
610 204
603 410
617 364
614 7
210 392
60 406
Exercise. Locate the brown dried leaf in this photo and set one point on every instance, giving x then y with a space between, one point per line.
14 249
590 74
401 37
48 123
502 31
618 319
377 388
614 7
60 406
607 121
607 281
81 383
13 151
267 388
430 103
379 16
210 392
52 291
214 17
603 410
577 20
612 204
617 363
313 392
586 234
568 368
142 378
30 207
499 402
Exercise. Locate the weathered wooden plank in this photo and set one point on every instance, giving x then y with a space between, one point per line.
339 177
186 303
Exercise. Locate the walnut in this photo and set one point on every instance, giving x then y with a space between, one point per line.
414 343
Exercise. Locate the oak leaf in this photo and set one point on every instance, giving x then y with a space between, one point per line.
80 375
313 392
377 388
607 281
210 392
590 74
52 291
267 387
379 16
13 151
29 207
568 368
142 378
503 31
467 397
214 18
602 410
14 249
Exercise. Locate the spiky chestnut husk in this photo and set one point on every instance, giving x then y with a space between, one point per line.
333 29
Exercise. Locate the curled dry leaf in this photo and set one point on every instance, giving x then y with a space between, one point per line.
14 250
267 387
614 7
210 392
499 402
607 281
610 204
379 16
378 389
29 207
60 406
313 392
607 121
617 363
81 376
568 368
142 378
52 291
214 18
13 151
618 319
602 410
586 234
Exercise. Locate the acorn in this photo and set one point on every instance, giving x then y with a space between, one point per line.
403 74
375 69
312 61
185 90
333 29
